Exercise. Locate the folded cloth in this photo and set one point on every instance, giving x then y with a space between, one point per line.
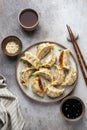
10 114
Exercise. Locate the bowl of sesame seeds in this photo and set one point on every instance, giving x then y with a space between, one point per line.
11 46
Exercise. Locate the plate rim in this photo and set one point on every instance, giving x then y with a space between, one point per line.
53 100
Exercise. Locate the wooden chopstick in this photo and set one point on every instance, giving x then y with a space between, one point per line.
78 52
81 56
83 60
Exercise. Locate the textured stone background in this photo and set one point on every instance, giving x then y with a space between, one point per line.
53 15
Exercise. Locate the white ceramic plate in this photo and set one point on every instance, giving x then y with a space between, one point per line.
28 91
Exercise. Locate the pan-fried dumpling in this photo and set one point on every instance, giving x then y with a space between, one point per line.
53 92
46 73
25 74
32 59
43 49
37 87
58 75
64 59
70 77
49 61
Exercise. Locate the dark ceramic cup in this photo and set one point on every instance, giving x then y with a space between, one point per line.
10 39
72 108
28 19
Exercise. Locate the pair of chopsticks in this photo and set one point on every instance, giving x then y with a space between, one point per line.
79 55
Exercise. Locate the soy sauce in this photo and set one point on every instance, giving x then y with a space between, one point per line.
72 108
28 18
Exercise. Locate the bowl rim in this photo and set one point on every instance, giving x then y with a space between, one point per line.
23 10
78 99
20 46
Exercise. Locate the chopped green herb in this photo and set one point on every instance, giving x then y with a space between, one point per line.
40 64
37 46
32 73
23 55
50 85
60 49
54 64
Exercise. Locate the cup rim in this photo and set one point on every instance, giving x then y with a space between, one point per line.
23 10
83 108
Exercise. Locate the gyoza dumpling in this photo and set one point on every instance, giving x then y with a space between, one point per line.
53 92
32 59
25 74
37 87
70 77
64 59
49 61
58 75
46 73
43 49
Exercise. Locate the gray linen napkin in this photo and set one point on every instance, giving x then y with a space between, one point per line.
10 114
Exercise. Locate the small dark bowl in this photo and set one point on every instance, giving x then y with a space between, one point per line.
72 108
31 27
9 39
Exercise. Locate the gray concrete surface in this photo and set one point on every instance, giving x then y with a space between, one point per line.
53 15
